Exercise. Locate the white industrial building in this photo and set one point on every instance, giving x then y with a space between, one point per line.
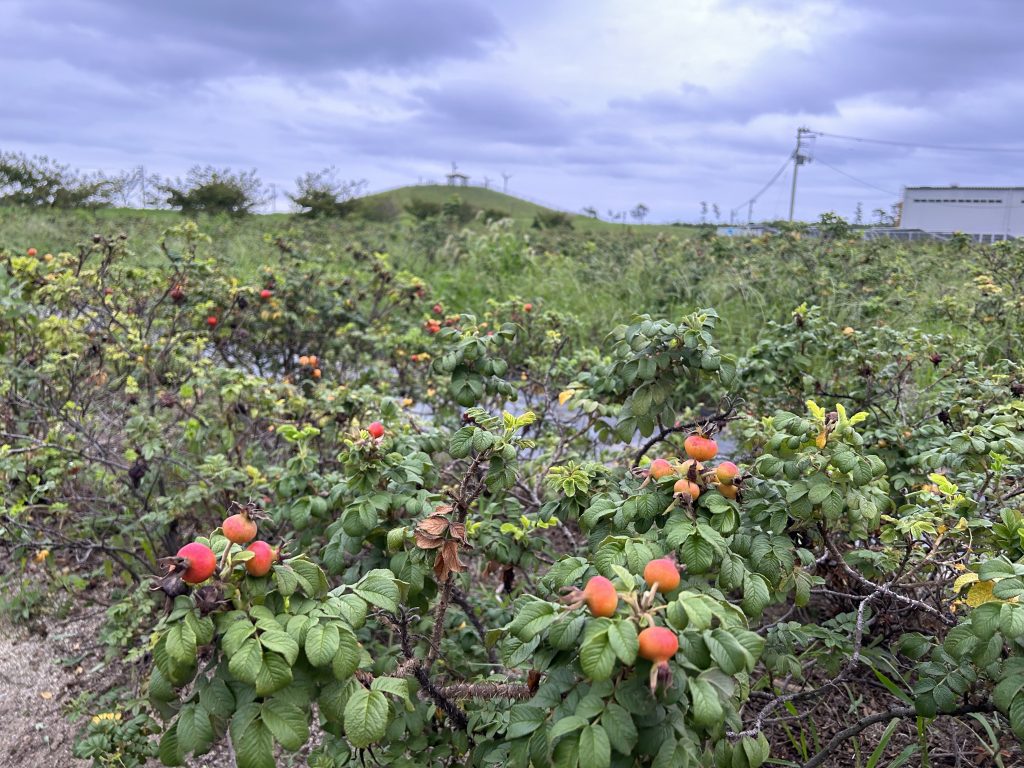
988 213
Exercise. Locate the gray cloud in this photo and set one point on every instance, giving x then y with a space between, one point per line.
166 42
396 89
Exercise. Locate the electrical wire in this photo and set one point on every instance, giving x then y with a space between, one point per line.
854 178
943 147
765 188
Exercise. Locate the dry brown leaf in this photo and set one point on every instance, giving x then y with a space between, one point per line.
432 526
427 542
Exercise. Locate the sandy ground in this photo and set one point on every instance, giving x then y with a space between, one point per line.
35 689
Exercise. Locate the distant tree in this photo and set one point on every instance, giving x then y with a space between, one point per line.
590 211
883 218
423 209
717 211
40 181
206 189
640 212
126 187
324 194
552 220
383 209
833 226
858 214
494 214
458 211
703 212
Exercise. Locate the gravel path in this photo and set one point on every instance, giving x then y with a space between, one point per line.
35 689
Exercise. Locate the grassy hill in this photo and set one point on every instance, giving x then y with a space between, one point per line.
521 210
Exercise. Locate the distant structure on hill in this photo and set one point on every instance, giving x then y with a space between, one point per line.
456 178
988 214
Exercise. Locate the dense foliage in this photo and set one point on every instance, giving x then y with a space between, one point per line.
435 596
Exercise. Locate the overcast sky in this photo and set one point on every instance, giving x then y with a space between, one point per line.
584 102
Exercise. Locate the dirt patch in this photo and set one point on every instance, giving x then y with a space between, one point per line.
36 689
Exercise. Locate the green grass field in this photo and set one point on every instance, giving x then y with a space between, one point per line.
601 274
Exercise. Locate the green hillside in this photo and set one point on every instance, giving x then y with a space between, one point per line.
517 208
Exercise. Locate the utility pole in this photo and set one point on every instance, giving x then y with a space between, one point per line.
750 212
798 160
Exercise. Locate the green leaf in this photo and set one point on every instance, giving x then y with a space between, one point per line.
985 620
202 628
396 538
254 747
1006 691
275 673
1016 716
181 643
707 709
462 443
597 658
322 643
564 727
346 660
281 642
563 633
366 717
755 594
195 733
217 698
286 722
169 752
532 617
378 588
619 726
396 686
995 568
524 719
246 663
819 492
622 638
698 612
1011 620
595 749
353 609
698 554
944 698
237 633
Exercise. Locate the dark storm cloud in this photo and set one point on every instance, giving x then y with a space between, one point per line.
160 41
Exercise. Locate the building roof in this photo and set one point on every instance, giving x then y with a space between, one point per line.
992 189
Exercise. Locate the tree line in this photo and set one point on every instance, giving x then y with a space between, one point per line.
42 182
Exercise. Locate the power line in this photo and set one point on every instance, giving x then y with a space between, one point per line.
854 178
943 147
765 188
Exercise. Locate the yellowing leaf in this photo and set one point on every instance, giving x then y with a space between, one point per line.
565 395
858 417
815 409
981 592
964 579
822 438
